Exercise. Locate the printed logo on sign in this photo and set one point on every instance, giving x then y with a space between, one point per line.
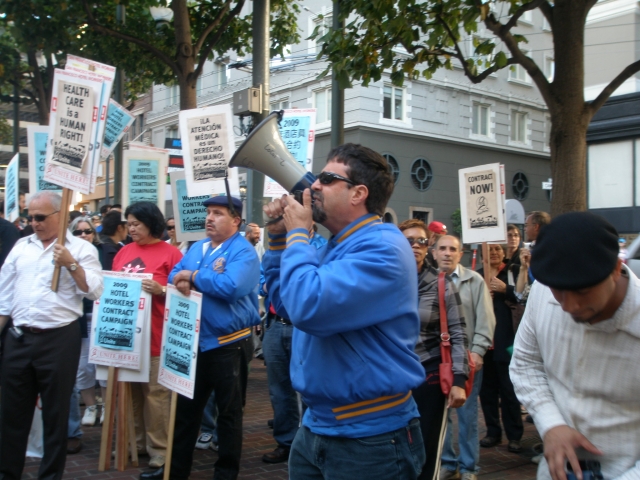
219 265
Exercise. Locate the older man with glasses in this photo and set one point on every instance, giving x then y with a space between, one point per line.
42 348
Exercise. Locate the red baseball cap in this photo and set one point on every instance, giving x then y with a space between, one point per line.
438 228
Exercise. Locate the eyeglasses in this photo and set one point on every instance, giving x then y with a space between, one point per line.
420 241
513 235
40 218
86 231
169 227
327 178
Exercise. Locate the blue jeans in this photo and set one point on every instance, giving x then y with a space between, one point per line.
210 418
468 440
74 430
398 454
276 347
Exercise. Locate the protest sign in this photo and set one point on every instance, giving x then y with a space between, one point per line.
297 129
207 147
37 137
482 204
118 321
12 189
179 352
69 132
189 213
118 122
144 176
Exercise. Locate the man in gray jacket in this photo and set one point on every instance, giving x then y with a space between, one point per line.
481 322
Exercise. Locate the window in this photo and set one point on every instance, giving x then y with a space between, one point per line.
421 174
392 103
173 95
480 120
549 68
518 73
518 127
421 213
323 25
527 17
482 62
520 186
220 75
547 132
281 105
322 102
393 164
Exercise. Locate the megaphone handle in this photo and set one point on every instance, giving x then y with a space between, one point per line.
297 194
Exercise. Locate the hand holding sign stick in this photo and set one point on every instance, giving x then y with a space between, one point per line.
62 232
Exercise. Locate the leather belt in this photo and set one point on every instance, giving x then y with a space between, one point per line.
280 319
34 329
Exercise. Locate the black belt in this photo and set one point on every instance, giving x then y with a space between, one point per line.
279 319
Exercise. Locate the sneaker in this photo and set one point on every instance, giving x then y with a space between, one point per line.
156 461
469 476
204 441
446 474
90 415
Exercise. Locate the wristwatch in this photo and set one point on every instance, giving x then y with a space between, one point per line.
164 291
73 267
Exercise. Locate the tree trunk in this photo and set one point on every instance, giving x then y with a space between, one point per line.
185 55
38 86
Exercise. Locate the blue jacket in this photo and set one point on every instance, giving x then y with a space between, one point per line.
228 279
354 303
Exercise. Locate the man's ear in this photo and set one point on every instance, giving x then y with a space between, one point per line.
359 194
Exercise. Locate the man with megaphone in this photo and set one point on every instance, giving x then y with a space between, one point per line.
353 304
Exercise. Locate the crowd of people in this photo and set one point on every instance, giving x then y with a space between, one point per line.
352 329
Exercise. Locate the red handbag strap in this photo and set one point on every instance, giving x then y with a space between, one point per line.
445 339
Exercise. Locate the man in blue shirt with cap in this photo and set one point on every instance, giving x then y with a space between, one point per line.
225 268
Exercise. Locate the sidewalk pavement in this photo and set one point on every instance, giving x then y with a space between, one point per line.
495 463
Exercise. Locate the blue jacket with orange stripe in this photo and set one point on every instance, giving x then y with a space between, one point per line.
228 279
354 303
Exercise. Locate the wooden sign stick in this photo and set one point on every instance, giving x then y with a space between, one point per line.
104 461
172 428
132 427
62 232
121 428
485 264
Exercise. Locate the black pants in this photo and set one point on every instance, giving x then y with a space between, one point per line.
44 363
433 422
497 395
219 370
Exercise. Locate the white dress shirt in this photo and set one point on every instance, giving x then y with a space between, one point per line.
25 283
584 376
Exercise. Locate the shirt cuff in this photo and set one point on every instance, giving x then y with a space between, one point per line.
277 242
546 418
459 381
297 235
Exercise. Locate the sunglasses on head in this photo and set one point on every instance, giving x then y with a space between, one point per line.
86 231
327 178
40 218
420 241
169 227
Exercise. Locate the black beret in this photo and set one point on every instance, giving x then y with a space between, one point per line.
222 201
576 250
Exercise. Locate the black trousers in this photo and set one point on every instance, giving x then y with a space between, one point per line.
433 423
219 370
497 395
44 363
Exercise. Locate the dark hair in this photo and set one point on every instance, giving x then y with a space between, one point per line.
540 218
75 214
511 226
116 205
110 223
169 218
368 168
150 215
414 223
104 209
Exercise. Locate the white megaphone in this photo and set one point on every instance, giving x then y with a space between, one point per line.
265 151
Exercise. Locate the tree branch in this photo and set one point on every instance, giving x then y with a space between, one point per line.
521 11
211 26
630 70
216 38
128 38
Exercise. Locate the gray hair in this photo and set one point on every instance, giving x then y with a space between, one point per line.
55 199
87 220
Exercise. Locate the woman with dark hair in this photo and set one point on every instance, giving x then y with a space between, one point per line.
149 254
432 403
497 394
171 231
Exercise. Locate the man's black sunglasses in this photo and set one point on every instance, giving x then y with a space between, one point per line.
327 178
169 227
40 218
86 231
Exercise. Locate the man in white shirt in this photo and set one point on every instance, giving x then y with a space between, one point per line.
252 234
577 350
42 349
477 307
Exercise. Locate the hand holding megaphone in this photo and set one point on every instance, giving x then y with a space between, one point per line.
293 213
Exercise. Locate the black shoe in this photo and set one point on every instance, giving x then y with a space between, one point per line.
488 442
270 423
279 455
74 445
514 446
153 474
